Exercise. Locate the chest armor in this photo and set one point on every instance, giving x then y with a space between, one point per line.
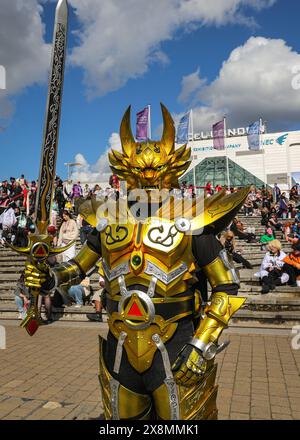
148 269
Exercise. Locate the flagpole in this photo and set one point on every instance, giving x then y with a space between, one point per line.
289 170
288 167
227 161
149 122
192 124
261 148
191 121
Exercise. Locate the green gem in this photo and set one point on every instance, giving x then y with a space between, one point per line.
136 260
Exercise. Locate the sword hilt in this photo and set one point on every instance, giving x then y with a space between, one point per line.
38 251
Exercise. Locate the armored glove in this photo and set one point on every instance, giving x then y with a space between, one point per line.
38 278
189 366
192 361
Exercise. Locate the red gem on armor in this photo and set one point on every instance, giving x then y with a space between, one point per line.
41 251
32 327
134 310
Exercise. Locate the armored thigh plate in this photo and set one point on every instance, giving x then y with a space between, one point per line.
195 403
119 402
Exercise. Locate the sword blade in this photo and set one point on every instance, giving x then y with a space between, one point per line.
52 120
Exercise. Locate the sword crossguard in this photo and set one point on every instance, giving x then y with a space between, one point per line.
39 249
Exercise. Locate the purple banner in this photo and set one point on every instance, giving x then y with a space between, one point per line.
219 135
142 124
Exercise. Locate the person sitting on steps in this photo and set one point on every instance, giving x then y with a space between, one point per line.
266 238
97 299
292 265
272 272
228 241
237 228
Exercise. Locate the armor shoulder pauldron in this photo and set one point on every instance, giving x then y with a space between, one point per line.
216 211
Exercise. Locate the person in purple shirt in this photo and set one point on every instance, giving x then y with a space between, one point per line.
76 195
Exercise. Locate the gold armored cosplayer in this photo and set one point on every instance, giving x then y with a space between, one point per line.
158 360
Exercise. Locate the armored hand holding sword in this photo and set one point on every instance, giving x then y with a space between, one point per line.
158 360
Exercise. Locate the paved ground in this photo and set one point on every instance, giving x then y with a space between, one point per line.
54 375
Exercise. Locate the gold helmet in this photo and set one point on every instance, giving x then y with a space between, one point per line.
150 164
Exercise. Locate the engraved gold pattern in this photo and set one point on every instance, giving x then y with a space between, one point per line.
116 235
166 241
49 153
218 314
193 400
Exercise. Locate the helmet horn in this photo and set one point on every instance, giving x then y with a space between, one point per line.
127 139
168 136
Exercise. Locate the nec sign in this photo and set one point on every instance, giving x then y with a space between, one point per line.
280 141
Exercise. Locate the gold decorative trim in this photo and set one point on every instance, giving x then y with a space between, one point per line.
162 300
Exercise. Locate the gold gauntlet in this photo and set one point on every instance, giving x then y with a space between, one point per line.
74 270
218 314
34 277
194 359
189 366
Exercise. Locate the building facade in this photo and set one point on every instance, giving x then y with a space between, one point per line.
277 162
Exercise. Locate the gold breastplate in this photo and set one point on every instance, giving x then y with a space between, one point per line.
148 269
139 251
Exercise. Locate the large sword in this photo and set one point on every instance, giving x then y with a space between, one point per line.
40 247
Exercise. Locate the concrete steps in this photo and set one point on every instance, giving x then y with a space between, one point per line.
267 315
9 312
269 310
280 308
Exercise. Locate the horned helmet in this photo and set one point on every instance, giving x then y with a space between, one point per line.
150 164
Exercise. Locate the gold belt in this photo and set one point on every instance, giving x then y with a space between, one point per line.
170 308
157 300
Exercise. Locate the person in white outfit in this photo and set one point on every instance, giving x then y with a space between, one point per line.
271 273
68 232
7 221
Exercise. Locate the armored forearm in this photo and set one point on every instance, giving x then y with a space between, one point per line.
73 271
217 316
223 279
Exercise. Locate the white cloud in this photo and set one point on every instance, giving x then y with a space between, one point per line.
190 84
256 80
100 171
115 43
119 40
205 117
23 51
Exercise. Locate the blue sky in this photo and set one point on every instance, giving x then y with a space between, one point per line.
191 49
